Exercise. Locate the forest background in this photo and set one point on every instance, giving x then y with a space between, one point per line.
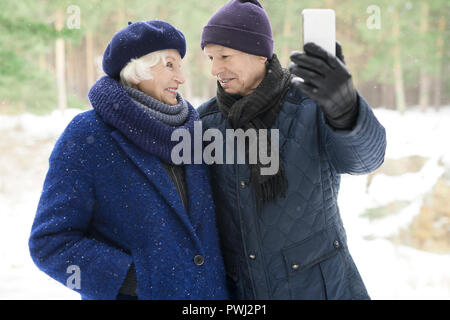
51 51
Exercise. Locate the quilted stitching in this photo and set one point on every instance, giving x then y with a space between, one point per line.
313 156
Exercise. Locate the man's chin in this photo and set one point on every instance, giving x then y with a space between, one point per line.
230 90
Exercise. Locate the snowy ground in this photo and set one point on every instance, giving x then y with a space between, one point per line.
389 271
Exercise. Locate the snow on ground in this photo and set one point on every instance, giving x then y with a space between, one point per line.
395 271
389 271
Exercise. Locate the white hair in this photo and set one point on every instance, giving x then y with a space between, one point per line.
138 69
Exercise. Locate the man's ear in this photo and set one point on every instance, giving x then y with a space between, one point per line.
263 60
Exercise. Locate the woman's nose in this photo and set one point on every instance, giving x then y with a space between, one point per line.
180 78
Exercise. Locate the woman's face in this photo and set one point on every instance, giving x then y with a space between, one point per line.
166 79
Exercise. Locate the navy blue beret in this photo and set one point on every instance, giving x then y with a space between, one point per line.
137 40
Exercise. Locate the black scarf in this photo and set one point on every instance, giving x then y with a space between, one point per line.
259 110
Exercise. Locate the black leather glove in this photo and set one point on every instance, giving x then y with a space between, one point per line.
328 82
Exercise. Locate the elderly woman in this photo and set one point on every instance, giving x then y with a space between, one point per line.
117 219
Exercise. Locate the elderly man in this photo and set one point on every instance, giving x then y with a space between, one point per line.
282 236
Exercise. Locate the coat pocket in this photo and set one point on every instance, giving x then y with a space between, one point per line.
314 266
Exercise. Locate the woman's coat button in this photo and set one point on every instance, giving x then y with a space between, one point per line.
199 260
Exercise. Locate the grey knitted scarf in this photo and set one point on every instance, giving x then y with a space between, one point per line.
173 116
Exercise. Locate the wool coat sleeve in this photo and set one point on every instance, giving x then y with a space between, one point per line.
360 150
60 244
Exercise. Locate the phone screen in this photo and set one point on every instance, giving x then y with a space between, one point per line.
319 26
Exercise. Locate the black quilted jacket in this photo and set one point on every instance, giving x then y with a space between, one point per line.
296 247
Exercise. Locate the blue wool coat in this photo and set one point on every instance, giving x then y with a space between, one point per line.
107 204
296 247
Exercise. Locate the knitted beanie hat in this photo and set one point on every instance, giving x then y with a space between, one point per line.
242 25
137 40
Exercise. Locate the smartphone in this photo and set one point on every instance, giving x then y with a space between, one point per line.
319 26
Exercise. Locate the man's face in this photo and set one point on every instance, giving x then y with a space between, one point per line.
238 72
